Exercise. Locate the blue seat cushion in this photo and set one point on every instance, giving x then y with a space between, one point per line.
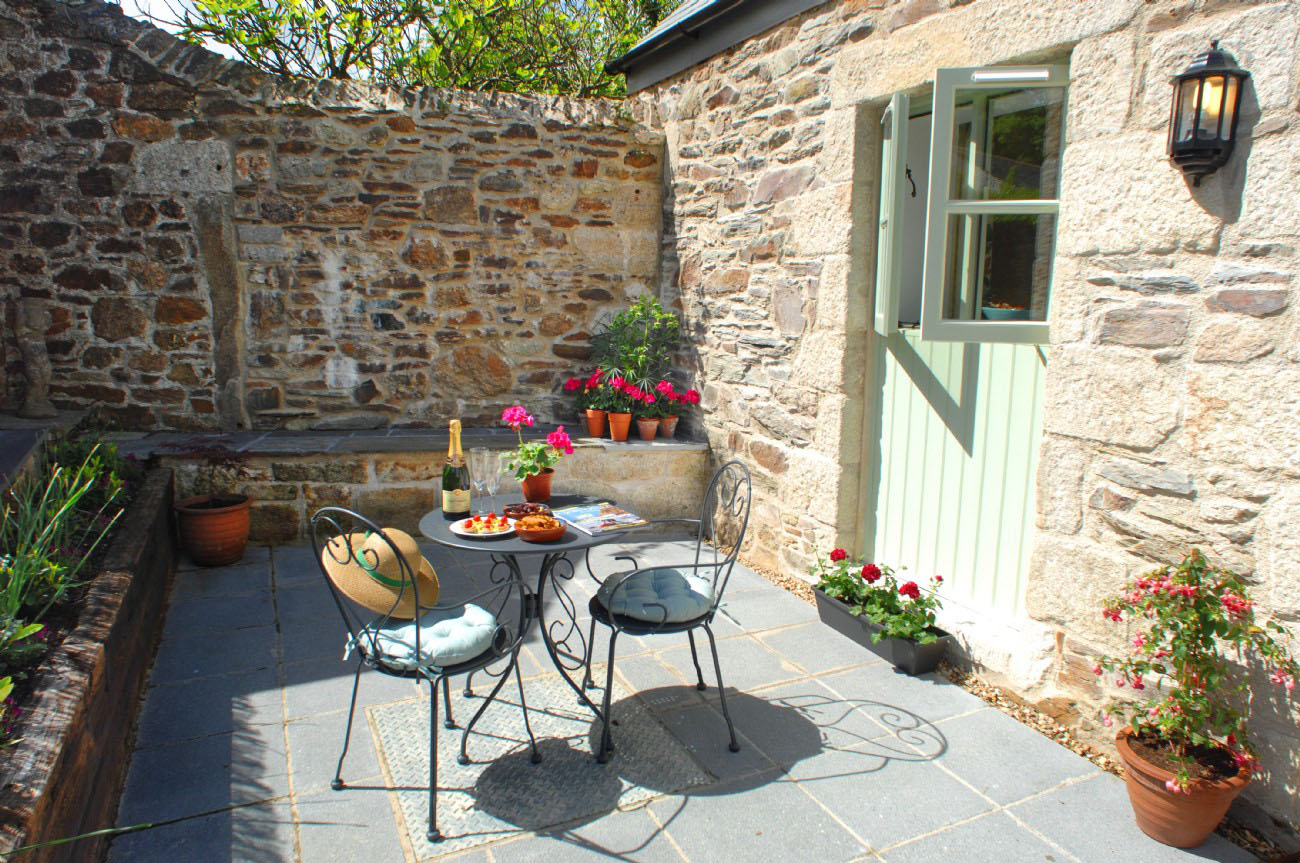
662 595
447 637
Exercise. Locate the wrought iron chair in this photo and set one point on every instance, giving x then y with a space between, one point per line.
667 598
439 643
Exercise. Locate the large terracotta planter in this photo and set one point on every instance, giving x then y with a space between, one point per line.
647 427
618 425
537 487
1182 820
595 422
668 426
909 656
214 528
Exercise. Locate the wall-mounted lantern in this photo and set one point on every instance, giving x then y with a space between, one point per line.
1203 122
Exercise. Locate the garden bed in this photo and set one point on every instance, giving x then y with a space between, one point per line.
63 778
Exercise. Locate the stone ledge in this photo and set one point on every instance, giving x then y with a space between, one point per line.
65 776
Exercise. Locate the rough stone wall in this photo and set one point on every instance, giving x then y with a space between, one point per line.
223 249
1171 407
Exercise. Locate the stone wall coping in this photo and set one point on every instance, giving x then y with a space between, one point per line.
144 445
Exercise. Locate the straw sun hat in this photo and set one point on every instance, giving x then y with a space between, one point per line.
371 575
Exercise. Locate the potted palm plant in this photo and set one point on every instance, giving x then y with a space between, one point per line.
1186 751
865 602
213 523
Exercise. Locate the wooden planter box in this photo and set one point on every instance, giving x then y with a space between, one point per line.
65 776
907 655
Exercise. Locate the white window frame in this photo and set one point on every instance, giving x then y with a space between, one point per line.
939 207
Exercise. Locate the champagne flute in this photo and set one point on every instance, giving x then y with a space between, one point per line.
479 468
492 475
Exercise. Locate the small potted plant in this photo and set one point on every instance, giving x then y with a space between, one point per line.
534 462
1186 752
214 523
866 603
592 399
623 399
673 405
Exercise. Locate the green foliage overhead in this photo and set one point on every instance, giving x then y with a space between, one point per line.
524 46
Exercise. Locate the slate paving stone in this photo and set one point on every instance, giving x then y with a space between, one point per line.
817 649
308 603
261 832
632 835
209 705
703 731
746 663
725 821
201 585
993 838
930 696
219 613
980 751
204 774
355 824
306 640
758 610
254 555
659 686
324 686
1093 820
921 797
295 564
204 654
315 744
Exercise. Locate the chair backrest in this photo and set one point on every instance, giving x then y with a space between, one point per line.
337 536
724 516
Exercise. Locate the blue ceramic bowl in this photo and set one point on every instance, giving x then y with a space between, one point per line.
992 314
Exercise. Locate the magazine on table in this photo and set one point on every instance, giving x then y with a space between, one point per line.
598 518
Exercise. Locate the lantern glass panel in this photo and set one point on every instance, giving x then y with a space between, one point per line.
1229 107
1186 118
1212 92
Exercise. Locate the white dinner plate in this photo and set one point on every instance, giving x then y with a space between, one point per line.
459 528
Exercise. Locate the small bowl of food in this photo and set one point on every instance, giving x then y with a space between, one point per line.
539 528
519 510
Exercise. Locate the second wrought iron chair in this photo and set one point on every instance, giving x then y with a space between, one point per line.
383 572
676 598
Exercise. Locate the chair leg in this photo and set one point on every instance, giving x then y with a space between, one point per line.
587 682
463 758
446 703
469 680
695 657
605 744
337 783
434 835
722 691
523 705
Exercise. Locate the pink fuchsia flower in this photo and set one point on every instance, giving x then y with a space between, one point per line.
559 440
1172 786
1139 640
1096 669
910 590
1137 683
572 384
664 388
871 573
1106 720
838 554
516 417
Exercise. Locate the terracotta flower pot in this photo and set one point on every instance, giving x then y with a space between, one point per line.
618 425
214 528
647 427
537 488
1183 820
668 426
595 422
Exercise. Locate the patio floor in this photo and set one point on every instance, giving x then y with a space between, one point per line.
841 759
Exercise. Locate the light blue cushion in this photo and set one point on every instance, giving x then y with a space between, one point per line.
649 594
447 637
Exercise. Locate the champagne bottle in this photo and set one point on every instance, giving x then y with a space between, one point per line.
455 479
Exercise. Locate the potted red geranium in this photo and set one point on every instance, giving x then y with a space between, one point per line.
866 603
672 403
1186 752
592 399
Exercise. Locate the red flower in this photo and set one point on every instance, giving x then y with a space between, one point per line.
572 384
871 573
692 397
910 590
559 440
838 554
664 388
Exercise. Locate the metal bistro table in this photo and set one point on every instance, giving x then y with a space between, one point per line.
563 637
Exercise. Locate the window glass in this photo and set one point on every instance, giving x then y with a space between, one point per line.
1006 145
999 267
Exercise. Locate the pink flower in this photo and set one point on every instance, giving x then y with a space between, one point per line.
692 397
1139 640
871 573
1171 785
1106 720
516 417
1137 682
559 440
648 399
1096 669
910 590
572 384
664 388
618 383
1119 681
838 554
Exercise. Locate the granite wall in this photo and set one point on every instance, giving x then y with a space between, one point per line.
221 249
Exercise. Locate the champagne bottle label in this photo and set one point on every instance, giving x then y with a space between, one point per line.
456 500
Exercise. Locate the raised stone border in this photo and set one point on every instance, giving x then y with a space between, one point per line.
65 776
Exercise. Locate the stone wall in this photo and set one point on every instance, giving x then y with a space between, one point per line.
224 249
1170 416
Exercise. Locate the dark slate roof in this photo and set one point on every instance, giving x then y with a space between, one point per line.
675 17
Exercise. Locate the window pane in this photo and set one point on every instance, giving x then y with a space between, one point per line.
998 268
1007 144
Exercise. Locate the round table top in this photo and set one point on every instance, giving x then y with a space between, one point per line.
437 528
